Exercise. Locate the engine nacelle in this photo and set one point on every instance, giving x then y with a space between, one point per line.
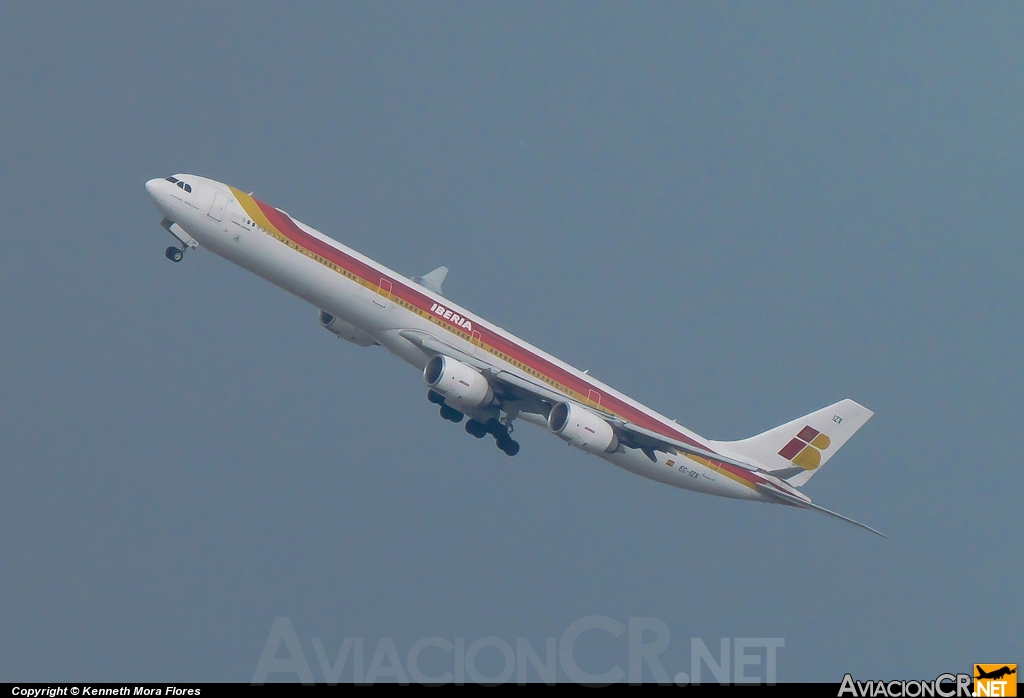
582 428
461 385
345 330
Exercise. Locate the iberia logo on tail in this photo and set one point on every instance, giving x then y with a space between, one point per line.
805 450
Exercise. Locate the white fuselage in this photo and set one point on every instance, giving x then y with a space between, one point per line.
384 305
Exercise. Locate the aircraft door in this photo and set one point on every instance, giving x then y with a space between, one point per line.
711 473
383 293
220 202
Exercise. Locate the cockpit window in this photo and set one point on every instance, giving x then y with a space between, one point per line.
188 188
172 180
183 185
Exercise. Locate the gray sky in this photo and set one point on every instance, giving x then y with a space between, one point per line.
735 213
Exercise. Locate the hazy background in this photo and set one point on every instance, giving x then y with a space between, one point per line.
735 213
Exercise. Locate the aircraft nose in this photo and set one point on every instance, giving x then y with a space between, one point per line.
157 190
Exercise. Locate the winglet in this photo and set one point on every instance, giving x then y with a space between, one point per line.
433 280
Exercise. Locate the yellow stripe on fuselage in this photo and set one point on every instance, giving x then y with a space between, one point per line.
253 210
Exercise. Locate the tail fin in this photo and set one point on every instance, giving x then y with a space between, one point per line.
798 449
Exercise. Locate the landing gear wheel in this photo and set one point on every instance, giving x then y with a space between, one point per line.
435 397
476 429
451 414
174 254
507 444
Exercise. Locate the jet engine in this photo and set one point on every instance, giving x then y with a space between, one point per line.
345 330
582 428
458 383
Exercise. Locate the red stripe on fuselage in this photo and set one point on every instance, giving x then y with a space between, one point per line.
287 227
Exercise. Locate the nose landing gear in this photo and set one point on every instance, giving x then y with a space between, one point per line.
175 254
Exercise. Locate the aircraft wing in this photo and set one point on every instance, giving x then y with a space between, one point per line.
527 396
629 434
648 440
430 345
529 392
534 396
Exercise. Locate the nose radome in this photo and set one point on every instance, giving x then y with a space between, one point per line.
152 187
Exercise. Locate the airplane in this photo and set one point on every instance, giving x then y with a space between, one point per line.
477 371
997 673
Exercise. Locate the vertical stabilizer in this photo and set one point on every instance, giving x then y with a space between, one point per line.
798 449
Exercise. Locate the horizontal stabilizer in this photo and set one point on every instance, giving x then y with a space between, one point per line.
792 500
